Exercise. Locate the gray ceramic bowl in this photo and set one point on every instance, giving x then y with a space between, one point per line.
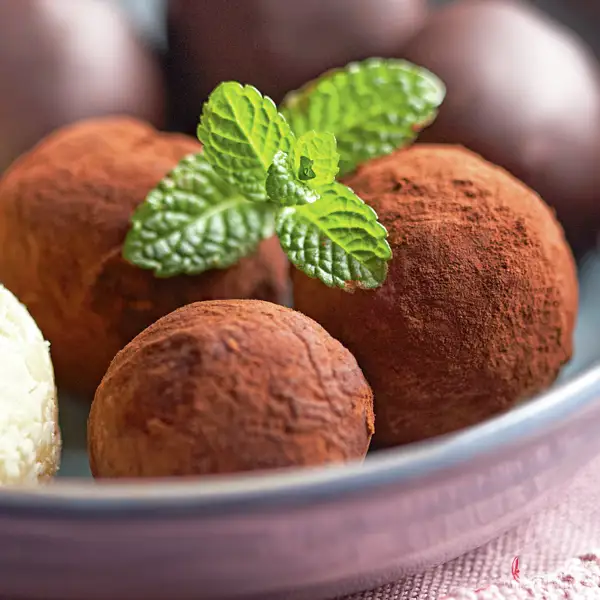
305 533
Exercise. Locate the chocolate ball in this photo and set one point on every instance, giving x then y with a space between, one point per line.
478 309
222 387
524 92
276 45
67 60
65 209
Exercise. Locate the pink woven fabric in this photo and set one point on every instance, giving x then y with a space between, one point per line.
579 580
543 544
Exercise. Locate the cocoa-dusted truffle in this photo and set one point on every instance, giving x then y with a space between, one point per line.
524 92
479 305
276 45
64 213
65 61
227 386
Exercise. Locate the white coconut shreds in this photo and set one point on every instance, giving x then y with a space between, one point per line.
29 434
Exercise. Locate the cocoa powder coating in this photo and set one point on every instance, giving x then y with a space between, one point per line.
228 386
480 303
65 209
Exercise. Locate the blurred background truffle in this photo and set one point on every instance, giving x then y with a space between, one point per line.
276 45
65 60
523 88
524 92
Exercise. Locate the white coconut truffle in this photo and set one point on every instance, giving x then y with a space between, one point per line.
29 434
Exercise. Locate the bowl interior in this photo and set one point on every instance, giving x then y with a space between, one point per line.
587 355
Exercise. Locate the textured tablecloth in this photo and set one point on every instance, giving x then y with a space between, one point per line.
578 580
544 545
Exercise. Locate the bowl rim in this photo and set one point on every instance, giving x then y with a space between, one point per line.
227 494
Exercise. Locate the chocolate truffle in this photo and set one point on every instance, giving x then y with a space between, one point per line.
222 387
523 92
65 209
478 309
276 45
68 60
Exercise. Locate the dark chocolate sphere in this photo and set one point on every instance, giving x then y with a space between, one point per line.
61 61
524 92
276 45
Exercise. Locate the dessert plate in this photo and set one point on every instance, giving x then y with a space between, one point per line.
311 533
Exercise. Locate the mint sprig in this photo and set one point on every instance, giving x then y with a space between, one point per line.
262 172
194 221
372 107
326 230
242 131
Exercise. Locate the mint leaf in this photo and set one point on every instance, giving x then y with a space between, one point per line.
242 131
321 150
336 239
306 172
284 186
372 107
194 221
294 178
